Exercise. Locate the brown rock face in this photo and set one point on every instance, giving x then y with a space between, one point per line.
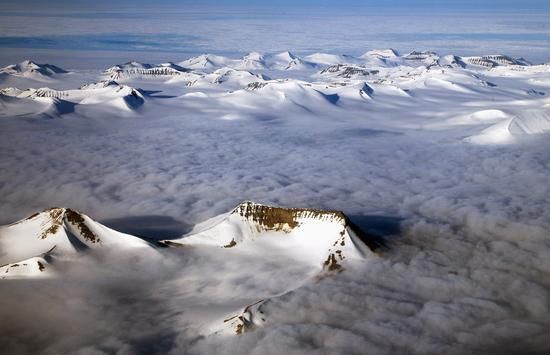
270 218
283 219
76 219
57 216
56 221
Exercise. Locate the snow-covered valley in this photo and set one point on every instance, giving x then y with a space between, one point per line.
401 205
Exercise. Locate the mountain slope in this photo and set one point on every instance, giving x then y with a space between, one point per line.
137 69
29 68
313 236
58 102
66 230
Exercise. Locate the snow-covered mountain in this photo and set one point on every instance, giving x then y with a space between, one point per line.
382 53
430 154
31 69
317 236
491 61
30 246
230 78
323 239
289 61
63 228
313 83
307 244
58 102
509 128
253 61
133 69
348 71
208 61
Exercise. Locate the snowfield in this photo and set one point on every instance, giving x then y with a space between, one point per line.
401 206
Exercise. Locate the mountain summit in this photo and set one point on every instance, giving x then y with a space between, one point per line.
322 237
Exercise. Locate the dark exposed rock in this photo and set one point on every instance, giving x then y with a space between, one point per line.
348 71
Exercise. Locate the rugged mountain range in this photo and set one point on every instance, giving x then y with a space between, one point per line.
323 238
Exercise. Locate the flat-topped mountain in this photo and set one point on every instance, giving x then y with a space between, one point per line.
133 69
491 61
316 236
320 238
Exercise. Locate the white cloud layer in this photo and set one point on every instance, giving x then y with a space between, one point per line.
467 273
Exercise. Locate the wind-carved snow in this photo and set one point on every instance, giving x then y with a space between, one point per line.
445 158
529 122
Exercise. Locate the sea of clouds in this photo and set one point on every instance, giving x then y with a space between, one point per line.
467 268
467 271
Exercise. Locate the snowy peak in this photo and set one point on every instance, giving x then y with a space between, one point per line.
286 56
32 93
495 60
451 61
382 53
331 59
240 76
58 102
348 71
209 61
31 68
319 243
374 59
269 218
52 220
45 69
66 230
130 97
507 129
288 61
99 85
200 62
133 69
293 94
318 237
252 61
420 55
256 56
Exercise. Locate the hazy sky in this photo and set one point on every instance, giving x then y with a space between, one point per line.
288 4
80 33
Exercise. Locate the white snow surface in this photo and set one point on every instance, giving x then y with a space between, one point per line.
445 158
